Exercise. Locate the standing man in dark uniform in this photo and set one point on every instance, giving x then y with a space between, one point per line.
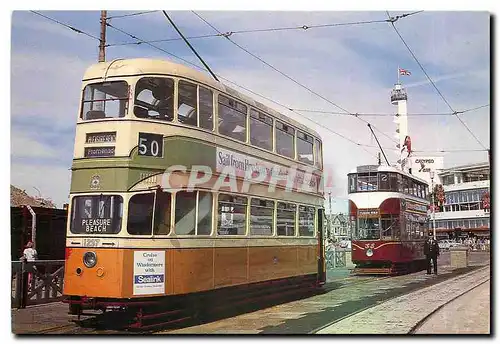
431 251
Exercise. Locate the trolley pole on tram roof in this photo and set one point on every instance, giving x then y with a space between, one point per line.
102 43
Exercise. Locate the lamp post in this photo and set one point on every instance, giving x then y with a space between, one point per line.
433 206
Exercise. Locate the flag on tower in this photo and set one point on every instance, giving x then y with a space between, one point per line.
404 72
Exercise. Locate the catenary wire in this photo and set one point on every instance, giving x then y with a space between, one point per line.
432 82
67 26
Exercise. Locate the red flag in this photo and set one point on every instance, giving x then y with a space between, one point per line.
407 144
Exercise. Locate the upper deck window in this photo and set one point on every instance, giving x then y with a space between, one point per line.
318 154
285 136
261 130
305 148
187 112
105 100
367 182
96 214
154 98
232 118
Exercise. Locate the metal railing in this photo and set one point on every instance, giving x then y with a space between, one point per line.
36 282
335 258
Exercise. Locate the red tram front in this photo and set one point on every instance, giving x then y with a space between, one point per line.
388 213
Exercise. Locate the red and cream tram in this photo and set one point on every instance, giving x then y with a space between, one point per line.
388 214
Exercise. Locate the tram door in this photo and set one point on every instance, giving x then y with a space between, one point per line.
321 254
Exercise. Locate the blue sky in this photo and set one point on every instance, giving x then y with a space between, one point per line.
353 66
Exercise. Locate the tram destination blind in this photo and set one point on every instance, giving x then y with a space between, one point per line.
150 145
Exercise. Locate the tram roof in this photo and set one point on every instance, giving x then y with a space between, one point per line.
377 168
143 66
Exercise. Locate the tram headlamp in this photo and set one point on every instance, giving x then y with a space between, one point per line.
89 259
369 252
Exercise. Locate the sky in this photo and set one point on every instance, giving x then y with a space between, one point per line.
353 66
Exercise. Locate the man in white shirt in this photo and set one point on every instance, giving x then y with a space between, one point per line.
29 252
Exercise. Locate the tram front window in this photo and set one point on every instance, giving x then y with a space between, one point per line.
368 229
96 214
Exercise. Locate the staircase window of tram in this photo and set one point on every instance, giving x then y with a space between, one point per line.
261 130
231 215
105 100
154 98
261 217
232 118
140 214
285 219
99 214
162 213
193 213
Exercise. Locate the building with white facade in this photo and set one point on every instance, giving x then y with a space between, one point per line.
464 188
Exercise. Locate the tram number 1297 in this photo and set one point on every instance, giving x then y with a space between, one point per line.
150 144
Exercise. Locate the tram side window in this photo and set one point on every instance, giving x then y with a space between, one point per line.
232 118
318 154
140 214
206 117
285 136
390 226
231 219
105 100
154 98
352 183
193 208
261 217
261 130
96 214
405 185
383 183
187 112
306 221
285 219
162 213
305 148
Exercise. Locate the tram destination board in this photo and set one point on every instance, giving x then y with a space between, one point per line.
99 152
150 144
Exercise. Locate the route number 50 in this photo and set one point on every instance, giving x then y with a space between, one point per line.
150 144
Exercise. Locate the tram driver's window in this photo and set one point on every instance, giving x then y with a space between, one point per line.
285 136
232 118
305 148
154 98
187 112
140 214
285 219
231 215
105 100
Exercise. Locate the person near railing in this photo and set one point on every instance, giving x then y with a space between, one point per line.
30 255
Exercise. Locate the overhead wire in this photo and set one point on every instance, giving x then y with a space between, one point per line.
432 82
131 14
67 26
290 78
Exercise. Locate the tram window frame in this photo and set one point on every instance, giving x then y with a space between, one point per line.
318 154
392 222
282 134
229 107
393 182
206 112
352 180
149 207
368 179
406 186
162 213
384 185
187 95
195 219
305 148
228 201
259 204
259 123
162 90
90 91
375 220
305 225
80 204
286 208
